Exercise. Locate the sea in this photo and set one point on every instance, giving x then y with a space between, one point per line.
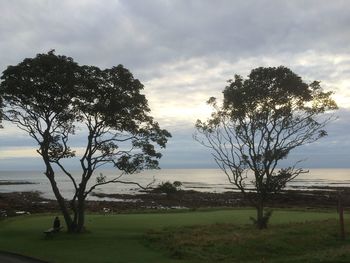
205 180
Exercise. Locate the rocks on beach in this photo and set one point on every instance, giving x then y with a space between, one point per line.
6 182
16 203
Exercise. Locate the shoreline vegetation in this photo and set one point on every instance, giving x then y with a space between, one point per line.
17 203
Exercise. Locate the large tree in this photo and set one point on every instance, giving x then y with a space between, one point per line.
261 120
49 96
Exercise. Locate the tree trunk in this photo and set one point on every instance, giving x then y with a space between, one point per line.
50 174
341 216
261 221
61 203
81 215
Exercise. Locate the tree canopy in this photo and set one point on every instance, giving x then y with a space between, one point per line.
261 120
50 95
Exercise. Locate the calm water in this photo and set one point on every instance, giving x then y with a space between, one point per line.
209 180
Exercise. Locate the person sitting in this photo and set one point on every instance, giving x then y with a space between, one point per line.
56 224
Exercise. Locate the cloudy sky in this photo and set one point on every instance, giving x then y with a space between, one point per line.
183 51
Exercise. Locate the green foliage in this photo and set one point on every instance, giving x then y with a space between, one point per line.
168 187
36 96
49 95
261 120
114 95
264 220
101 178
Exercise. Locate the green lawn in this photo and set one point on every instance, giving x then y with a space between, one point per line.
145 237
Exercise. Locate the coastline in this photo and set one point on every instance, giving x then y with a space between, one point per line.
18 203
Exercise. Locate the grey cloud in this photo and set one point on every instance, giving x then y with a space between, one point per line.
209 40
141 33
243 28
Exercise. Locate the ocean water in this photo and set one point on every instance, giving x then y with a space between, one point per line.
209 180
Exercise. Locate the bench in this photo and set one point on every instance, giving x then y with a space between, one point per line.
52 231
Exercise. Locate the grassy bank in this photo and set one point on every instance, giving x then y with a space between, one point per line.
313 241
155 237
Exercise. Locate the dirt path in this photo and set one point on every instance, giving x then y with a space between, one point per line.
14 258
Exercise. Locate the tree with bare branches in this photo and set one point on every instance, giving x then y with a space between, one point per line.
261 120
49 96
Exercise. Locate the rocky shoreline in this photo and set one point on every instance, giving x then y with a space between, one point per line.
16 203
8 182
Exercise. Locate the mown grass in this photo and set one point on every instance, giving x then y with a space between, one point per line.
157 237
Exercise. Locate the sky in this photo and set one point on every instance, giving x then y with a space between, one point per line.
184 51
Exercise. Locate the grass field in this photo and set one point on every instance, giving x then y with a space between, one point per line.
181 237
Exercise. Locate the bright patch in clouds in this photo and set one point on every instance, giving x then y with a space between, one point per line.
17 152
180 90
